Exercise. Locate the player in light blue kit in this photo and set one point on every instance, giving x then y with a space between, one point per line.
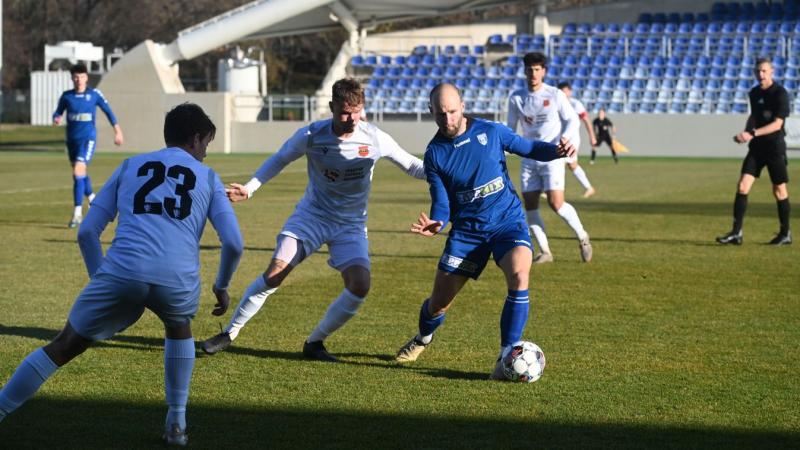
469 184
162 201
81 105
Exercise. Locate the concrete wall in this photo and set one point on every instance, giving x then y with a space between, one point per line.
645 135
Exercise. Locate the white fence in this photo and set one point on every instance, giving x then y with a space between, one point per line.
46 89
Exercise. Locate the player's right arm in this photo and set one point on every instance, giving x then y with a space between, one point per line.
745 136
292 149
440 202
533 149
102 212
60 108
222 217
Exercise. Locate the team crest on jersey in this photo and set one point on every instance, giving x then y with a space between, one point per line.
483 139
88 97
529 120
546 103
330 174
363 150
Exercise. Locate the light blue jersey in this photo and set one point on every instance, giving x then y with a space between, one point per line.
81 110
163 199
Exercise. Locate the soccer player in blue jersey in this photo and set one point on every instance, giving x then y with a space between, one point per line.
80 104
465 165
162 201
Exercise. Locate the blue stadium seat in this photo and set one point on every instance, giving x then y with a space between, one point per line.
478 50
715 73
728 85
463 50
713 86
661 108
740 108
647 108
471 60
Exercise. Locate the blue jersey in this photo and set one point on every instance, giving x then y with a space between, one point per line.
163 199
468 177
81 109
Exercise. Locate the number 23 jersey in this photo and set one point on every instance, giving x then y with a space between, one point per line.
163 199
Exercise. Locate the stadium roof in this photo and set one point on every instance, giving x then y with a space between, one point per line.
365 14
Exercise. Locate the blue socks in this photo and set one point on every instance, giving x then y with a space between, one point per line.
428 324
34 370
78 189
87 186
178 365
514 316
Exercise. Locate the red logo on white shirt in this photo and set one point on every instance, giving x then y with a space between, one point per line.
363 150
546 103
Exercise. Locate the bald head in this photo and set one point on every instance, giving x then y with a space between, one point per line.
448 110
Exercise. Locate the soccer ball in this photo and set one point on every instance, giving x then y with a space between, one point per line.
523 362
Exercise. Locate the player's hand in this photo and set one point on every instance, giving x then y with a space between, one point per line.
237 192
223 301
118 138
425 226
565 148
593 143
57 120
743 137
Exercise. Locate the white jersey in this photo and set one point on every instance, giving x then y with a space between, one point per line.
339 170
544 115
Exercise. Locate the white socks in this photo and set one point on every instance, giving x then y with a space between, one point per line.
580 175
537 229
78 212
252 300
341 310
568 213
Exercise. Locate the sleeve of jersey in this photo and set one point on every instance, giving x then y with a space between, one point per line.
62 105
568 115
390 149
103 104
440 204
513 114
292 149
224 221
103 210
783 105
516 144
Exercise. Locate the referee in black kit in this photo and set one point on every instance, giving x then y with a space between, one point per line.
769 108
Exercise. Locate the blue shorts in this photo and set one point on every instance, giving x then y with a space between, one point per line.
109 304
80 150
466 253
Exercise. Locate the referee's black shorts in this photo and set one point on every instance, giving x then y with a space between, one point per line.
771 155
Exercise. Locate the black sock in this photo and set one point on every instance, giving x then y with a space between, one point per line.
739 207
783 215
594 153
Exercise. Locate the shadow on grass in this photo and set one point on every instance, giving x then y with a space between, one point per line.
724 210
99 424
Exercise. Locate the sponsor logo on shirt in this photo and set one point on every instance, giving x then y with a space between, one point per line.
483 139
484 191
81 117
354 173
459 144
529 120
363 150
459 263
546 103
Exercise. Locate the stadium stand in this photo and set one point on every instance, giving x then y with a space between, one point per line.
672 63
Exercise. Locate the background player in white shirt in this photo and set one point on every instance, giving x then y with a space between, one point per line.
572 162
162 201
545 114
341 154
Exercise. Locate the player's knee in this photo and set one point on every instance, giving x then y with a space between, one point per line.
65 347
358 287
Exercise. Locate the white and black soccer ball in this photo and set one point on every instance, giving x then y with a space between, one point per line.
523 362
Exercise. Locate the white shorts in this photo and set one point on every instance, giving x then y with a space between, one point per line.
542 176
347 244
110 304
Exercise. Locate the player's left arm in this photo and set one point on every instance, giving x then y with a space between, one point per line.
569 118
103 104
102 212
389 148
538 150
222 217
440 202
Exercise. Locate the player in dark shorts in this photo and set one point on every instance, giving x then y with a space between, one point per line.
764 132
604 130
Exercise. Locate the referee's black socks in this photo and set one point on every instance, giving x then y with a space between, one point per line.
783 215
739 208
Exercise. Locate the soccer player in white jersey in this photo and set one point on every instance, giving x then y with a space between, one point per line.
162 201
341 153
545 114
572 162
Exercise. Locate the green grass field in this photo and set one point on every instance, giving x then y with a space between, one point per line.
665 340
